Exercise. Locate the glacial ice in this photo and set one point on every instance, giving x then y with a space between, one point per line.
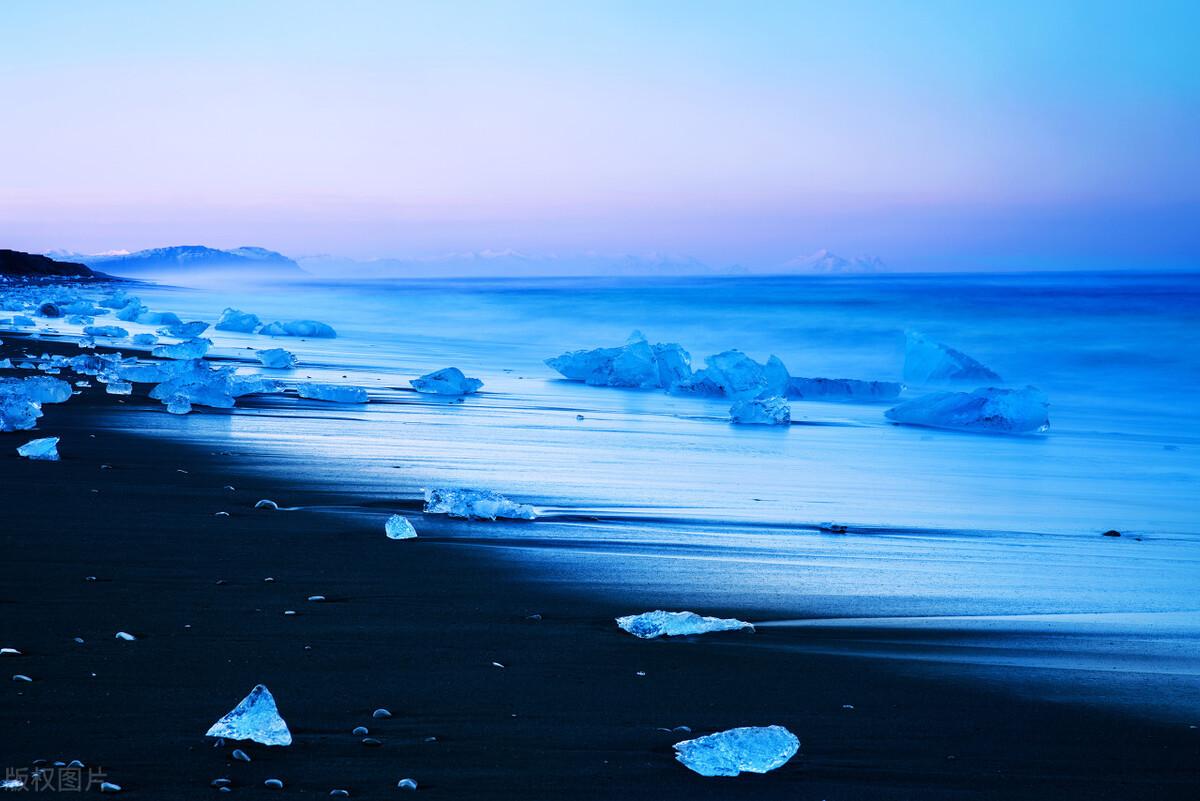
184 330
276 358
255 718
114 331
927 362
734 374
752 749
475 505
772 411
178 404
836 389
40 450
398 527
449 381
188 349
43 389
635 364
144 339
130 312
299 328
234 320
659 623
332 392
118 388
1000 411
21 400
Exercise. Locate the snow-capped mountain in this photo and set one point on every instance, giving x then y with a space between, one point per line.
829 263
188 259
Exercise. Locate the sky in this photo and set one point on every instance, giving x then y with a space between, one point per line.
935 135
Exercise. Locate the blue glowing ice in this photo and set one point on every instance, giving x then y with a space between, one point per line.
928 362
449 381
299 328
332 393
277 359
40 450
475 505
255 718
1000 411
234 320
750 749
772 411
659 623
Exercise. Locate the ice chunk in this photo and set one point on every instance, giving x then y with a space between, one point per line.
184 330
332 392
398 528
836 389
188 349
636 364
195 381
40 450
17 411
299 328
658 623
734 374
1001 411
475 505
6 364
144 339
22 320
928 362
158 318
105 331
42 389
130 312
752 749
239 385
234 320
761 412
118 388
178 404
276 359
255 718
449 381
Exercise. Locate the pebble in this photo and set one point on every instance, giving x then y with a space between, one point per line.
407 784
340 793
380 714
372 741
109 787
75 763
1112 533
275 784
126 636
9 652
360 731
316 597
497 664
533 617
21 677
266 504
221 514
289 611
222 782
79 640
240 755
228 487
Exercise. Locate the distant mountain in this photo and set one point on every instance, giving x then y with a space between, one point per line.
504 263
191 259
14 263
828 263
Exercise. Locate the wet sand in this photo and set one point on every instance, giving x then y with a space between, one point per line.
415 626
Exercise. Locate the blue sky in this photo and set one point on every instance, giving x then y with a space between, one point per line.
957 135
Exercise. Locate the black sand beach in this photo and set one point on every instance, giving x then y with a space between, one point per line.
416 627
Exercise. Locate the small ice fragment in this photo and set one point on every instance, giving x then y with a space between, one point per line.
399 528
144 339
928 362
372 741
316 598
267 504
332 393
407 784
381 714
276 359
126 636
234 320
21 677
188 349
9 652
761 412
114 331
255 718
338 793
118 388
360 731
833 528
475 505
179 404
40 450
659 623
753 749
109 787
12 784
449 381
274 784
998 411
6 364
240 755
299 328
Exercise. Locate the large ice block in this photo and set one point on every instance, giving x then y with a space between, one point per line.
1000 411
475 504
255 718
635 364
449 381
772 411
928 362
235 320
40 450
188 349
749 749
299 328
659 623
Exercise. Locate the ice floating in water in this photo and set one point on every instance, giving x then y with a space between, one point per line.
184 330
234 320
332 393
761 412
114 331
836 389
299 328
40 450
658 623
475 505
928 362
636 364
276 359
255 718
398 528
734 374
449 381
1001 411
189 349
750 749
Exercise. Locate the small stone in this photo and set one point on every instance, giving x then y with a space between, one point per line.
75 763
407 784
340 793
274 784
847 706
372 741
360 731
240 755
381 714
222 782
289 611
109 787
221 514
266 504
21 677
9 652
126 636
533 617
497 664
1112 533
316 597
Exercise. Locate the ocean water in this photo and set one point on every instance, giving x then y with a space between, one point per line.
657 501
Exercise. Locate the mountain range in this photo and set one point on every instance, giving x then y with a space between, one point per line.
187 259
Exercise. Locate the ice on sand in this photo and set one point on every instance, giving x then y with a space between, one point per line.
838 389
184 330
332 393
277 359
658 623
398 528
761 412
449 381
475 505
255 718
114 331
929 362
734 374
188 349
749 749
1000 411
636 364
21 400
40 450
299 328
235 320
